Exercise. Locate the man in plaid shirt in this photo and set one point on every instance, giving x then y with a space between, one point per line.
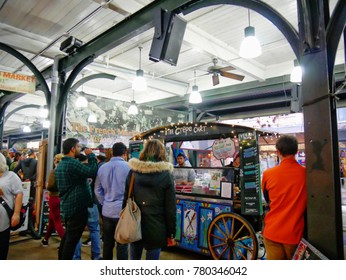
75 193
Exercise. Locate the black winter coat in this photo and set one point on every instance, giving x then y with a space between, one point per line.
154 193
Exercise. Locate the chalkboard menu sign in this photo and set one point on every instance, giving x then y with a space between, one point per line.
251 195
44 213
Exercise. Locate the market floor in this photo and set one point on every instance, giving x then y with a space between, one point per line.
26 248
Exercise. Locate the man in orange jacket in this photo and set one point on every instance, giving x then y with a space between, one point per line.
284 189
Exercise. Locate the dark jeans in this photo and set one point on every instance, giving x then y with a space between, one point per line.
136 250
74 229
4 243
109 226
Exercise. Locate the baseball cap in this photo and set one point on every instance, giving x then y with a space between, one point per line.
12 150
30 152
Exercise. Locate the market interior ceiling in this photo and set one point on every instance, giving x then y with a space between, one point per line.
36 28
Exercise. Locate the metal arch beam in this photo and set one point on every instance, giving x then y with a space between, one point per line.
335 29
93 77
63 95
290 33
3 120
20 108
42 82
67 86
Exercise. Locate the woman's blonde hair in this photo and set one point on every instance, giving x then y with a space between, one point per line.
3 164
154 150
57 158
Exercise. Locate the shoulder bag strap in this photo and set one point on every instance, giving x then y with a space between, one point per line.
131 184
7 208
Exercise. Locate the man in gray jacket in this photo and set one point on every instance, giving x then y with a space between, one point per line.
109 190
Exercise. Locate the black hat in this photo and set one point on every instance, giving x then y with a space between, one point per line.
82 157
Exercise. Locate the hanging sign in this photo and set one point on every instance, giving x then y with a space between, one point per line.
17 82
223 148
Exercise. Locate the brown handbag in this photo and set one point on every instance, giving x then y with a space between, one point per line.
129 228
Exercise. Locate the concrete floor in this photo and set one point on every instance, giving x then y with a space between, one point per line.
26 248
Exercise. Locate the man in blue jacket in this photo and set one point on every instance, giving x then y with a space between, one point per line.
109 190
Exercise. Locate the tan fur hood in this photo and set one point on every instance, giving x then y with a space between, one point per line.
149 166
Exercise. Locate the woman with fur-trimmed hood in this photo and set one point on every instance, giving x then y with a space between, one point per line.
154 193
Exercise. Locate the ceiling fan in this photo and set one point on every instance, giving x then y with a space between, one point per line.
217 70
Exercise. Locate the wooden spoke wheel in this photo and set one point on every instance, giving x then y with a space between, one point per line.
231 237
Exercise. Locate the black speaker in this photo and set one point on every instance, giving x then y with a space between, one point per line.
168 37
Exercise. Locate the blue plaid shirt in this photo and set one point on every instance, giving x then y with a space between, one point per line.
72 179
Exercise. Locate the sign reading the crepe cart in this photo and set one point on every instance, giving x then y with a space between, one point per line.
17 82
191 131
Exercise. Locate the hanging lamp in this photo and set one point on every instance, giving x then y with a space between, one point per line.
195 96
81 101
297 73
25 127
43 112
92 118
139 83
250 46
133 109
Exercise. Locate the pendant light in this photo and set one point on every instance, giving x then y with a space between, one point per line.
139 83
195 96
133 110
297 73
81 101
46 124
25 127
250 46
92 118
43 112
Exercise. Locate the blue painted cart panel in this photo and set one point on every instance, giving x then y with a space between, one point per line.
193 220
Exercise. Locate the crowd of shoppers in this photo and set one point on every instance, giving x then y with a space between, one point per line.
80 185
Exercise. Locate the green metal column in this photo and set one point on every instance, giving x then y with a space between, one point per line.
321 139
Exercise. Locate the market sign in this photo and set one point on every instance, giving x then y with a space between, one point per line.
17 82
223 148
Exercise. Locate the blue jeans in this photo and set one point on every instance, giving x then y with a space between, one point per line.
109 226
94 229
137 249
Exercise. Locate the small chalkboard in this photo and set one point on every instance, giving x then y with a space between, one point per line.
305 251
44 213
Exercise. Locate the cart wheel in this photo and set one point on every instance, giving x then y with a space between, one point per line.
231 237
